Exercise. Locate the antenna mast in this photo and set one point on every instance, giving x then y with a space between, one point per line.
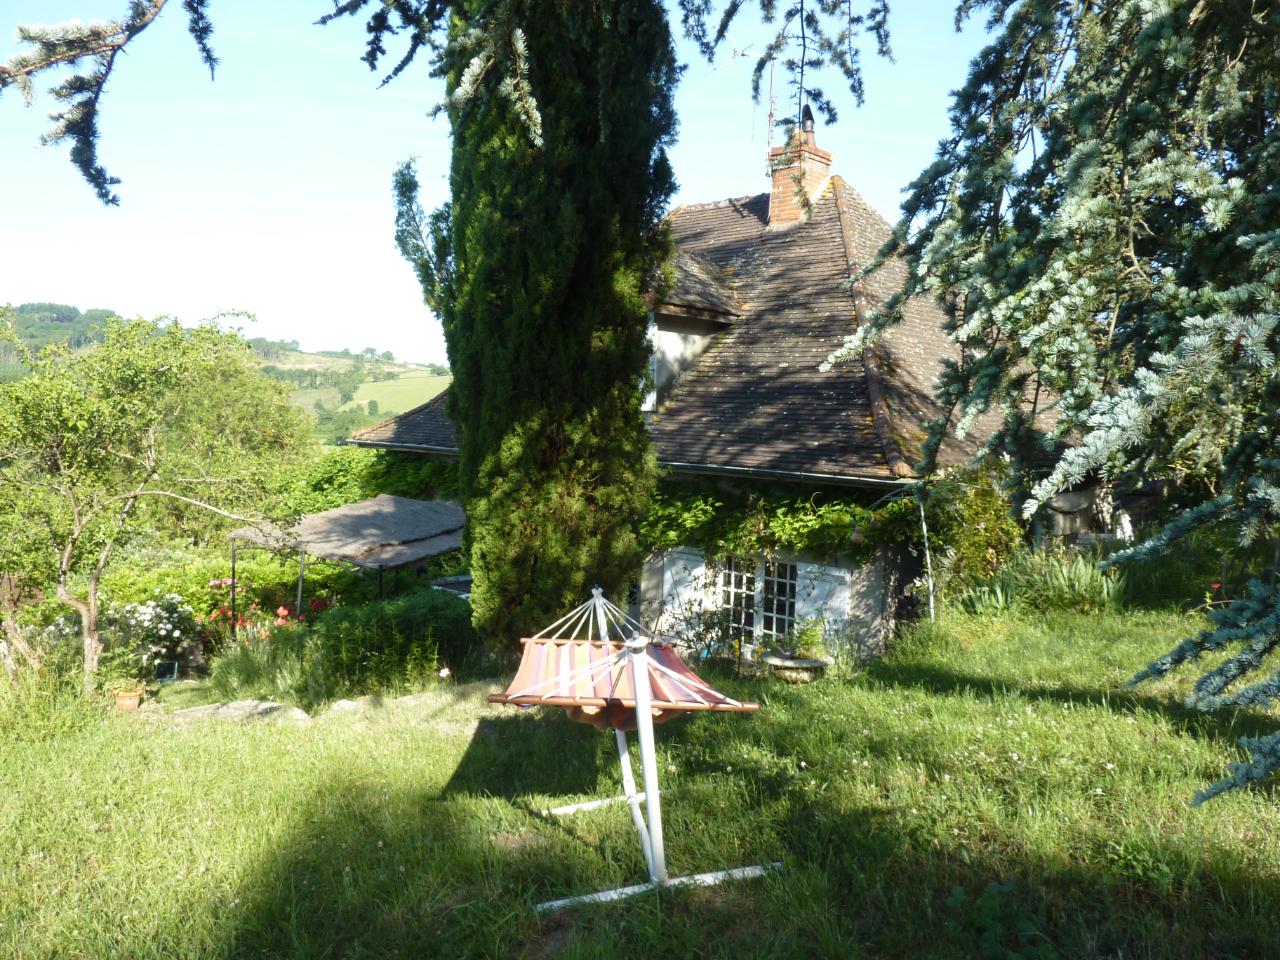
773 102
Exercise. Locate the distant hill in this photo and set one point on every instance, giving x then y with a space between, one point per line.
40 324
348 391
345 391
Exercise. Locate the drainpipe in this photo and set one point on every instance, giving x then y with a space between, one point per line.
928 561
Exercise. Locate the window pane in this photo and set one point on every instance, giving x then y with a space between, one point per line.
738 596
778 599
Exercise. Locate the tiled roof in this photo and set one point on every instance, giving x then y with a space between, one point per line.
756 401
701 285
426 428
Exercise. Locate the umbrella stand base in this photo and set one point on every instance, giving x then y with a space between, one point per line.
588 805
696 880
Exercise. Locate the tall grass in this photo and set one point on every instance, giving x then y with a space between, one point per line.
1038 580
45 705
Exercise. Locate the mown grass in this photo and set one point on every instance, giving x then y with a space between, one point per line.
407 391
988 790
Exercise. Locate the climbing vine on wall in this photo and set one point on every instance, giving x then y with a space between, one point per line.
721 520
971 525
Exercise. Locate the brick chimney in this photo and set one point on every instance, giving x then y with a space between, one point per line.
801 160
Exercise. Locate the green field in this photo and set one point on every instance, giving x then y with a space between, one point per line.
989 790
407 391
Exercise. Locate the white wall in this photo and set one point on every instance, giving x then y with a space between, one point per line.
678 586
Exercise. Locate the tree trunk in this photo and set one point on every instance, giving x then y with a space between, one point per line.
88 611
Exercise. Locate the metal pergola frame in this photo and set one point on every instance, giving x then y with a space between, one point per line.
433 529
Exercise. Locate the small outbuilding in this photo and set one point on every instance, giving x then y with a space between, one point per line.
379 534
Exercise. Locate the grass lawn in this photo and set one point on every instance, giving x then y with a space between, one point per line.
407 391
989 791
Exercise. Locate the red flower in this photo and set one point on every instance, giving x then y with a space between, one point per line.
282 612
1215 585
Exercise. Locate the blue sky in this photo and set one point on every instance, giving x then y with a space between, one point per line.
268 189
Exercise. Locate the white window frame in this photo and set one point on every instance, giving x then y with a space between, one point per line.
749 585
737 591
776 611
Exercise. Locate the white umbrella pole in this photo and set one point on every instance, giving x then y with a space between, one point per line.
637 647
634 798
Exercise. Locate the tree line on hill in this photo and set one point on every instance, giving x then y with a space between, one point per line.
37 325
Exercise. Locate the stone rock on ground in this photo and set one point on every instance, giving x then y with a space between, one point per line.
241 710
367 702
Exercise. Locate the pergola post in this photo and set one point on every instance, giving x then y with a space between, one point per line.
302 570
234 585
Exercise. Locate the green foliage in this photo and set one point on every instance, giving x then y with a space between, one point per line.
349 650
538 270
402 640
972 527
39 325
141 431
723 520
1040 580
347 474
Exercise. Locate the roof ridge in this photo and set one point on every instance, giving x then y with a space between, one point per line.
880 415
712 204
848 188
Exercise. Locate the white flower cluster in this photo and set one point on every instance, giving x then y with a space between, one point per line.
158 627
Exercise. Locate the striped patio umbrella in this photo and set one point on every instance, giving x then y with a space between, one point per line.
599 666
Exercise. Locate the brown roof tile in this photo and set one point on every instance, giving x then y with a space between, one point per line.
426 428
757 400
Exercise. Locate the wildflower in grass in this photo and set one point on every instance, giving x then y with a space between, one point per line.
444 673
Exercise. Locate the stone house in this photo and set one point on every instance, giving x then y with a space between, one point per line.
760 297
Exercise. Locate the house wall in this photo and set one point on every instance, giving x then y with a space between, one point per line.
677 344
679 588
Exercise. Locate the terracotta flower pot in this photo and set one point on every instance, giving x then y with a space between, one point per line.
127 701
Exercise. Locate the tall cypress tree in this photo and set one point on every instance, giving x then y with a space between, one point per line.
561 111
1102 227
538 270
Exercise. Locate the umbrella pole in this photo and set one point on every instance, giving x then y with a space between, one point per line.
637 647
634 798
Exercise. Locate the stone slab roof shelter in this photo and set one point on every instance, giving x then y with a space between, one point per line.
755 402
381 533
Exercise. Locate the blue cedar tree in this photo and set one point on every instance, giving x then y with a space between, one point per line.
1101 227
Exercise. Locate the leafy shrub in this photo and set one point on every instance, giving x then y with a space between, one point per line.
972 529
1036 580
384 645
152 631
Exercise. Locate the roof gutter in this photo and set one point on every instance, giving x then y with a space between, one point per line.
705 469
450 453
765 473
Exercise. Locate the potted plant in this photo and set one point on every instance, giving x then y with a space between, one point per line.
128 692
802 656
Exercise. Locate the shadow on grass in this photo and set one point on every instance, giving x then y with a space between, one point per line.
1225 725
370 872
521 754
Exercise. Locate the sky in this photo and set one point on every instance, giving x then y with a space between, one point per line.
268 189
